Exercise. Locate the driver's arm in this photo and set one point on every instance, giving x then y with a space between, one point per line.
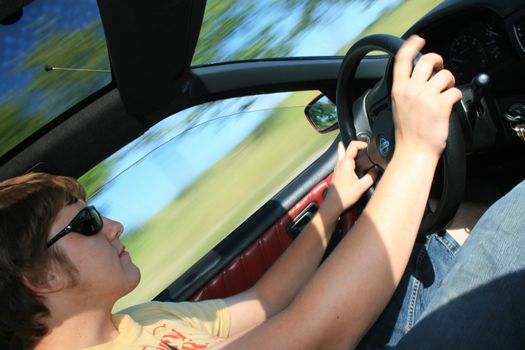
280 284
348 292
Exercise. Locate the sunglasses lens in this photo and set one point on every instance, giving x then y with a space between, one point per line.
88 222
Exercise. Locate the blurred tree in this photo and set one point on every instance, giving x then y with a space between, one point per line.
94 179
49 93
12 130
236 30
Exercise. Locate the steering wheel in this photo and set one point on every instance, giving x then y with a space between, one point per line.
369 118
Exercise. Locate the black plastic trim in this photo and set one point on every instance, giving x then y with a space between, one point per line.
220 81
79 142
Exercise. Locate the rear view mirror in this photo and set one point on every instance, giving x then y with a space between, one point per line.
322 114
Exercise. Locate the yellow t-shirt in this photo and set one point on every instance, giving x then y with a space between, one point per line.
159 325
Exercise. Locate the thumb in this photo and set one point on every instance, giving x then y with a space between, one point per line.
340 151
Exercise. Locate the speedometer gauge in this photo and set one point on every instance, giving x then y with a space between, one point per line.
479 48
492 41
467 57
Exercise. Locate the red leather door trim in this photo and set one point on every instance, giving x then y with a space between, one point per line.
248 267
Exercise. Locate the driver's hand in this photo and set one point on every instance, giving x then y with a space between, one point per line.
422 104
346 186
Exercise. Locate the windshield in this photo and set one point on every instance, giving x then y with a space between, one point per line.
255 29
58 34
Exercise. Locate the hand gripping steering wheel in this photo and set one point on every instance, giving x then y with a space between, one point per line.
369 118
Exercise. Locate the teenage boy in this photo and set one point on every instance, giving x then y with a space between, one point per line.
63 266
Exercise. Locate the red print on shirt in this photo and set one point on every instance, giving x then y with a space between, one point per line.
175 337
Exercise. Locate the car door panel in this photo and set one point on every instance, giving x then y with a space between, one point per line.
249 266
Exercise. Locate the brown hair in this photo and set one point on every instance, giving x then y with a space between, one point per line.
28 207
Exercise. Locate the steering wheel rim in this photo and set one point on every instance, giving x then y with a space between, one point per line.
359 113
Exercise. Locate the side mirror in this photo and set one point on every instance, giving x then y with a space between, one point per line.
322 114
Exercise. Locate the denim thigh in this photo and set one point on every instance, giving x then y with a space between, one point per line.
481 303
430 261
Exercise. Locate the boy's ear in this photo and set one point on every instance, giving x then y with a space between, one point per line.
45 281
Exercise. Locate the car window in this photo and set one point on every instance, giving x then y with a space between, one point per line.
189 181
255 29
52 55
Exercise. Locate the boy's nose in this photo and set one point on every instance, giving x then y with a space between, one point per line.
112 229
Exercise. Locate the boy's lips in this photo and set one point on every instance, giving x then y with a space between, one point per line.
122 251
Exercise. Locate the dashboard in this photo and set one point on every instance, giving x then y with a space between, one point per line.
481 36
480 42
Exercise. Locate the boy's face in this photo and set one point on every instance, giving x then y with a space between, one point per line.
105 269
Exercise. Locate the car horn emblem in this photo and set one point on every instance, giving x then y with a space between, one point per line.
384 146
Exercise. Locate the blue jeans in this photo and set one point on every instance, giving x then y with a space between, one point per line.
481 302
430 261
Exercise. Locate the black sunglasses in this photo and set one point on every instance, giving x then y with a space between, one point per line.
87 222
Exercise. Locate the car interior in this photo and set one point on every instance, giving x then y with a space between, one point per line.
151 45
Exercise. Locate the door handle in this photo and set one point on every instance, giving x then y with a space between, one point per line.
300 221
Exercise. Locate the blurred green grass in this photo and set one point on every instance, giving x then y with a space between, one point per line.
230 191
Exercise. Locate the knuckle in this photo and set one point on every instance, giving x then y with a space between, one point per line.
402 56
448 74
413 93
399 90
431 58
444 74
436 104
429 101
395 90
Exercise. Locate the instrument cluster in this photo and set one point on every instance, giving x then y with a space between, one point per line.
475 44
